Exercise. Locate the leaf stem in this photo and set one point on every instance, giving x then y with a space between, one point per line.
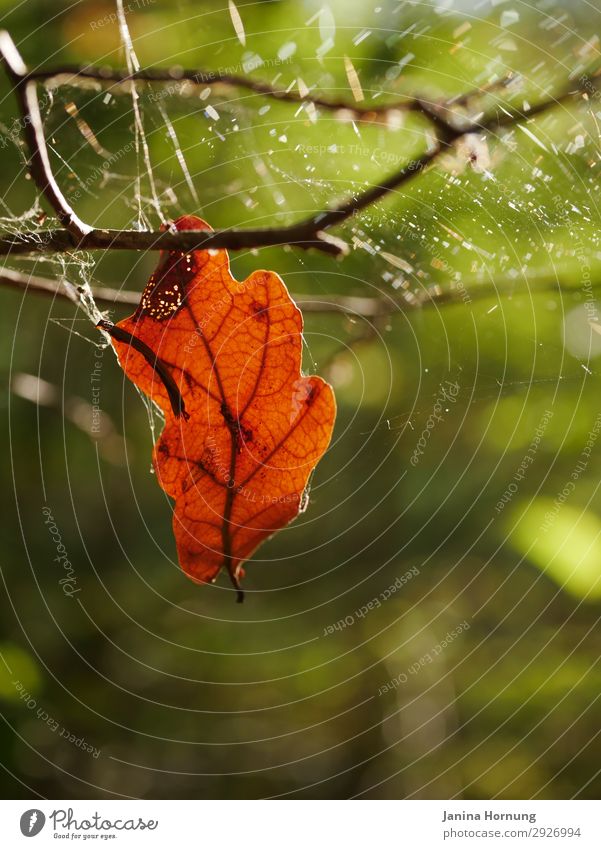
175 397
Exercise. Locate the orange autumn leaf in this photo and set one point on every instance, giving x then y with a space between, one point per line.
243 428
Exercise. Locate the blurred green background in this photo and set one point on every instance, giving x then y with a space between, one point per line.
143 684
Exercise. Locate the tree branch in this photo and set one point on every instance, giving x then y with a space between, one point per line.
310 233
306 235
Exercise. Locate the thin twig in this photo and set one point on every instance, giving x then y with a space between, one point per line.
347 304
198 76
26 93
352 305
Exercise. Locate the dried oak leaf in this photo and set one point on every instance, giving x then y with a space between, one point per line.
243 428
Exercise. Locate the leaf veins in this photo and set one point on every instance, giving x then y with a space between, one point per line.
243 428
